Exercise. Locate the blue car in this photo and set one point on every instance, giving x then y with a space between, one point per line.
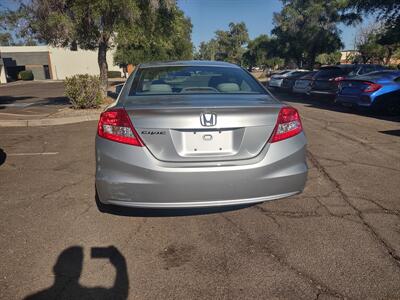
379 91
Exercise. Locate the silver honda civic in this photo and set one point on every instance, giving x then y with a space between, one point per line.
197 134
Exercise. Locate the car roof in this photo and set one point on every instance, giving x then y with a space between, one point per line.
388 74
178 63
348 66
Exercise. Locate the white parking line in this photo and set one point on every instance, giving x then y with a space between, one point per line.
37 153
17 105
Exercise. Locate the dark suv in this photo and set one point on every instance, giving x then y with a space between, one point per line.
326 80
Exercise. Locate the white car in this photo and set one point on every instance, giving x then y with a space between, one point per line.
303 85
277 79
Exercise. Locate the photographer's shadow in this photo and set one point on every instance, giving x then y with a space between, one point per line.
68 269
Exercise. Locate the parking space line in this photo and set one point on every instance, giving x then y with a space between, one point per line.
37 153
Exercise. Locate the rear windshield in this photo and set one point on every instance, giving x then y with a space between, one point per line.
332 72
379 75
193 80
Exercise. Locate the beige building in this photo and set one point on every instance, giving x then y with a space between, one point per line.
50 63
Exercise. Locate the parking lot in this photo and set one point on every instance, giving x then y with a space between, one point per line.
340 238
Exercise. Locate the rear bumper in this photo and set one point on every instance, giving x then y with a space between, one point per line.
358 100
300 90
331 93
131 176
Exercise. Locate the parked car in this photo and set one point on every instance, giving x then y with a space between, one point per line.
378 90
289 81
303 84
327 79
277 79
216 137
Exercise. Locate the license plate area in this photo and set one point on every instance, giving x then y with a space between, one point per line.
207 142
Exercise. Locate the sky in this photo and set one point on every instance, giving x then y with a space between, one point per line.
210 15
207 16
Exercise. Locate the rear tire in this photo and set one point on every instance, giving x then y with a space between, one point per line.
388 104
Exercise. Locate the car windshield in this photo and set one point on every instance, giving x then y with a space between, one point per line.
193 80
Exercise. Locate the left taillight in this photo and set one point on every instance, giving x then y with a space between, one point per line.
371 87
115 125
287 125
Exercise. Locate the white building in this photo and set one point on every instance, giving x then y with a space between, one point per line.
49 63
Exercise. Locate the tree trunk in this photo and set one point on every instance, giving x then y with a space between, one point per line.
103 66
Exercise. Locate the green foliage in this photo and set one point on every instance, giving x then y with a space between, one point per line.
230 43
83 91
227 45
375 45
329 58
257 52
99 24
6 39
306 28
387 11
275 63
207 50
25 75
162 35
114 74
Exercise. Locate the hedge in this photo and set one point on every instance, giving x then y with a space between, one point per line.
83 91
25 75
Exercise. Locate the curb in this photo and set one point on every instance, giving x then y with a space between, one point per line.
49 122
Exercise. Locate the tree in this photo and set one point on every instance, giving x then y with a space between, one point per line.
163 35
306 28
257 52
230 42
226 45
92 25
329 58
207 50
6 39
374 44
387 11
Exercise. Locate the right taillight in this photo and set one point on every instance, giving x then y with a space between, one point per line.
372 87
287 125
115 125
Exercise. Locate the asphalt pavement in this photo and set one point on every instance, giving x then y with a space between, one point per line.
340 238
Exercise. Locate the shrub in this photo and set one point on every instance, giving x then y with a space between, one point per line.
25 75
83 91
114 74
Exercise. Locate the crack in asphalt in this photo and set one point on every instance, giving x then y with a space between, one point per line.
44 196
319 286
347 162
349 137
359 213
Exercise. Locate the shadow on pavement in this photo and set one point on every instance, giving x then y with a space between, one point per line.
62 100
68 269
12 99
395 132
165 212
328 104
3 156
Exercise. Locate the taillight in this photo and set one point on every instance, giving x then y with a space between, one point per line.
115 125
372 87
337 79
287 125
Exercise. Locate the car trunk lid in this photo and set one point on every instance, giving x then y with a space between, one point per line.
204 127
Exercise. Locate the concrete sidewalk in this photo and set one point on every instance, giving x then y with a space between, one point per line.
62 116
28 104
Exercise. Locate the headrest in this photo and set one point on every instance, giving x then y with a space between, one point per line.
160 88
228 87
